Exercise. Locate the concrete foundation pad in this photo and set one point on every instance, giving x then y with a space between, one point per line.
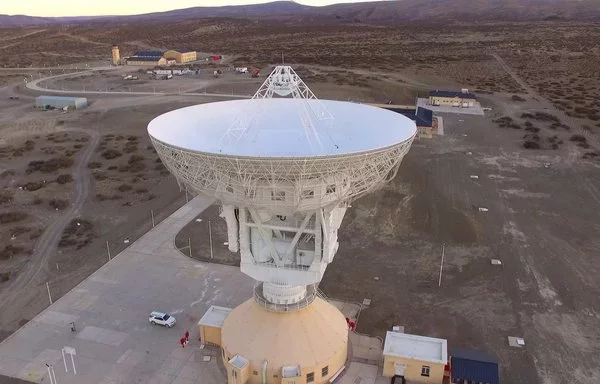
114 341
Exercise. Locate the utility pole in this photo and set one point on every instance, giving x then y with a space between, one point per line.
210 239
49 295
442 264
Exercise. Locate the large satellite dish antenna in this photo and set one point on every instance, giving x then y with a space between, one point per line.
285 171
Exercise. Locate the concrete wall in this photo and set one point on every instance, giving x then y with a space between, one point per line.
236 375
274 373
210 335
425 132
412 372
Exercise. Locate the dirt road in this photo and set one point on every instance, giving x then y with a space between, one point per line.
48 242
574 123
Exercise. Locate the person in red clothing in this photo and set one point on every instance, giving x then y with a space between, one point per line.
182 342
187 336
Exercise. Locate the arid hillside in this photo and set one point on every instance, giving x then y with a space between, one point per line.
377 13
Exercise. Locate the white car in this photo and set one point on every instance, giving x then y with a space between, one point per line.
162 318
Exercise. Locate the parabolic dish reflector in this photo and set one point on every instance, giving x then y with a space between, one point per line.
278 128
296 154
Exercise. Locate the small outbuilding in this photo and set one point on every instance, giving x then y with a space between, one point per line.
211 323
413 358
452 98
60 102
422 117
468 367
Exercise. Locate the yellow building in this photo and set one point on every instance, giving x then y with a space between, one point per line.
419 359
451 98
184 56
210 324
116 55
304 346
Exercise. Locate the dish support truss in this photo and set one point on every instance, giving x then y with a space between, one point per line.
283 81
283 214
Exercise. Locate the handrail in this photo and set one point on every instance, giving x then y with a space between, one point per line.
311 294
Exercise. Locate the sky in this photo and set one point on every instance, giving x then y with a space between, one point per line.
122 7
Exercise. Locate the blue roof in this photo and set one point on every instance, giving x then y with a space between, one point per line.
473 366
452 94
149 53
422 117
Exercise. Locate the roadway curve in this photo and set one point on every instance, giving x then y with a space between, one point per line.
48 242
46 246
34 86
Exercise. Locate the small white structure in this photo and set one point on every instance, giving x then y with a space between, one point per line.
211 323
416 358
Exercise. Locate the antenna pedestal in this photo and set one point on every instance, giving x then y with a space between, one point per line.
283 294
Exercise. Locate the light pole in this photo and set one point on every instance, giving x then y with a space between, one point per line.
210 239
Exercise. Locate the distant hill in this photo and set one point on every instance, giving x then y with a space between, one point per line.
382 12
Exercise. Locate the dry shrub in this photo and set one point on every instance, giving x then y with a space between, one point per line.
33 186
124 188
78 233
64 178
12 217
9 251
19 230
111 154
58 204
529 144
49 166
6 196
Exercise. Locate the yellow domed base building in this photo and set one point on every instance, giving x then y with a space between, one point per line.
265 346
